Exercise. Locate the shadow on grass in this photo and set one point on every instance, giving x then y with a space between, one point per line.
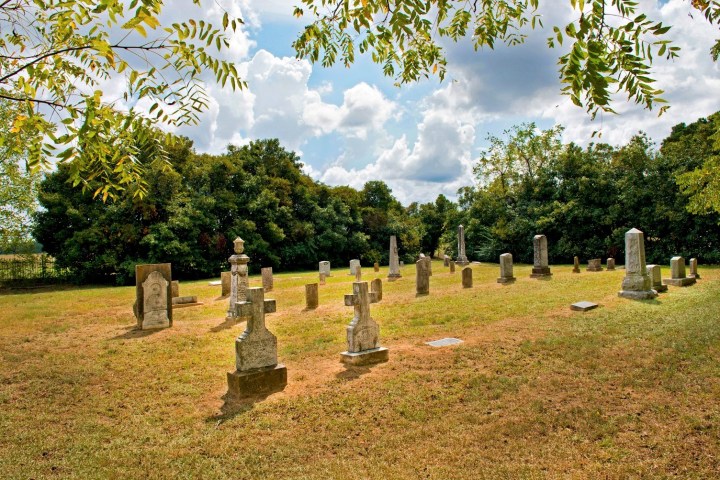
352 372
134 332
234 406
228 323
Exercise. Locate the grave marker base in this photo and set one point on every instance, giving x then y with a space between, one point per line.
366 357
679 282
638 295
257 381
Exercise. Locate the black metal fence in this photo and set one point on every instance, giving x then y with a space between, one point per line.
25 269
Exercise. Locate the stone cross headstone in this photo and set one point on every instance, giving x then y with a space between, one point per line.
363 333
594 265
452 266
175 288
506 269
636 285
354 264
655 274
376 288
610 264
446 261
324 267
394 272
677 274
576 265
256 362
540 258
152 296
693 273
238 278
225 280
422 278
467 281
461 258
376 266
311 296
267 278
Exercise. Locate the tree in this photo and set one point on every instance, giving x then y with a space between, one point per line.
612 42
54 55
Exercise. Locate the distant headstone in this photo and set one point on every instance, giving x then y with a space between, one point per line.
467 281
636 285
267 278
175 288
153 305
402 264
394 271
324 267
583 306
376 266
225 278
354 264
693 273
422 279
654 272
311 296
376 288
677 274
238 278
446 261
452 266
540 258
576 265
257 369
322 278
358 274
506 269
444 342
363 333
461 258
187 301
594 265
610 264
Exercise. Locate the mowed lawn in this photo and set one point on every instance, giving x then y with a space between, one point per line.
631 389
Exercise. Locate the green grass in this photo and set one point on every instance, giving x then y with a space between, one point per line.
535 391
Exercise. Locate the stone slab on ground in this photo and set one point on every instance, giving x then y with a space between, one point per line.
263 381
365 357
583 306
444 342
679 282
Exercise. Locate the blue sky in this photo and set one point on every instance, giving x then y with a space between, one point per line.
353 125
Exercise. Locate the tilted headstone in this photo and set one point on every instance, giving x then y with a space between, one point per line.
540 258
422 278
610 264
376 266
655 274
238 278
693 273
467 281
225 279
461 258
594 265
394 260
363 333
354 264
324 267
506 269
311 296
153 305
257 369
267 278
677 274
636 284
446 261
452 266
576 265
175 288
376 288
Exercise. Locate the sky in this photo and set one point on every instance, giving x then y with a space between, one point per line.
353 125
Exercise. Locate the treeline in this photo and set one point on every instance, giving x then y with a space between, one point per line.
582 199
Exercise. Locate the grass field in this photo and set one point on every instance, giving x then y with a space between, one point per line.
629 390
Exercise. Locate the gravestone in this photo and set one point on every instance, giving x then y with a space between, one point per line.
402 264
610 264
311 296
693 273
655 274
238 278
186 301
594 265
422 279
461 258
541 268
358 273
376 266
322 278
467 281
363 333
153 296
354 265
175 288
376 288
583 306
576 265
394 270
452 266
677 274
506 269
257 369
446 261
267 278
324 267
225 278
636 285
444 342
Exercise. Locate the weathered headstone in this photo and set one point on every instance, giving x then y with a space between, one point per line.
461 258
153 304
583 306
311 296
376 266
467 281
610 264
363 333
636 284
540 258
446 261
594 265
175 288
267 278
677 274
358 273
576 265
402 264
354 264
225 279
693 273
257 369
506 269
422 279
654 272
324 267
186 301
394 270
322 278
238 278
452 266
376 288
